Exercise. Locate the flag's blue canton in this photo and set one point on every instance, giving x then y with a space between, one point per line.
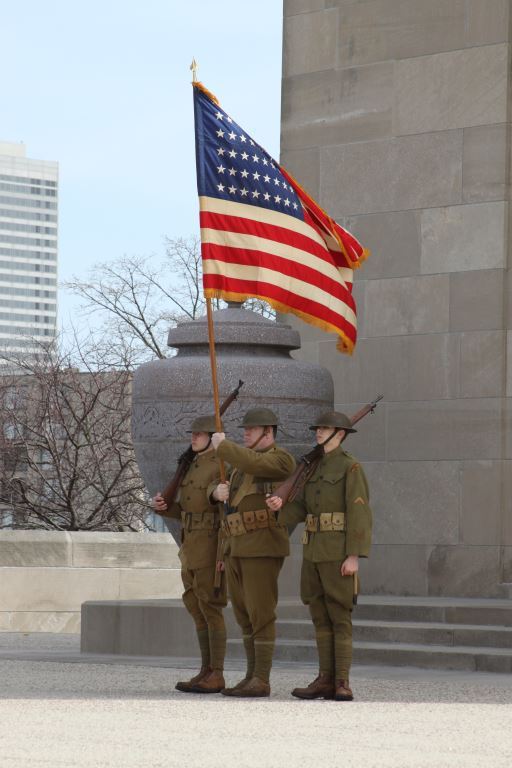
234 167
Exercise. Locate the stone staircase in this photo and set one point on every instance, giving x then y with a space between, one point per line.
506 590
436 633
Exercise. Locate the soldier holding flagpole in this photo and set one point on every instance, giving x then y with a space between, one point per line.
262 236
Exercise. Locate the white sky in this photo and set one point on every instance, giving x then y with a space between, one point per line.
103 87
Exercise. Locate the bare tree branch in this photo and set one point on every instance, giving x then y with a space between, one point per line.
139 299
66 457
67 462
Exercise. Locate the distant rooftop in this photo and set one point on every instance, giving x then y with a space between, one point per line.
14 149
14 160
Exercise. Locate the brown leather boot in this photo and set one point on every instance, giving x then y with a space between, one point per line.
343 691
186 685
212 683
253 688
235 688
322 687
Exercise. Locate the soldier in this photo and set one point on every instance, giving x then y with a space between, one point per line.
256 544
335 507
198 554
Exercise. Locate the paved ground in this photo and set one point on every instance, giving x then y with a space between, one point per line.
69 712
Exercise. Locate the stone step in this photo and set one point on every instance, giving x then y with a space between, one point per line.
468 611
428 633
506 590
476 659
163 627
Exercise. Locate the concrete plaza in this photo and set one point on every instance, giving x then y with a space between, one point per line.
60 709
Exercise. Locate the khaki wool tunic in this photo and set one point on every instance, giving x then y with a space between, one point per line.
338 484
199 545
259 472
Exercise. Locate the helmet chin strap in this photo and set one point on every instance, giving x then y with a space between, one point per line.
253 446
329 438
198 453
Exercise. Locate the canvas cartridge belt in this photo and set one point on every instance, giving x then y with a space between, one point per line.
199 521
326 521
238 523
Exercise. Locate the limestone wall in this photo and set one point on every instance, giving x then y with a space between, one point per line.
396 116
46 576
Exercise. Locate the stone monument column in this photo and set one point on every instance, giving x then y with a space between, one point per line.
396 117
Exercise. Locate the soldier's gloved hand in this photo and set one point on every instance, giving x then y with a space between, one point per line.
158 503
350 566
221 493
217 439
274 503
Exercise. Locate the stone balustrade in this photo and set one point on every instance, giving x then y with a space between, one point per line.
45 576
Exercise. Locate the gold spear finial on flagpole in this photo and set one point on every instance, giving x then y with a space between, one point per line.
193 67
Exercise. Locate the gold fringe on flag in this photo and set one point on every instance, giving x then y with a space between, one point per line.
344 344
366 252
201 87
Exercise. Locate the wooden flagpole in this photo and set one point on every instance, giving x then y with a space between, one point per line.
218 424
213 366
211 339
219 568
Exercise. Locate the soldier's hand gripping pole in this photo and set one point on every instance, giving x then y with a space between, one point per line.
186 458
219 569
217 583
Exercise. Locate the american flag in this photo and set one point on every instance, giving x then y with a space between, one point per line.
263 236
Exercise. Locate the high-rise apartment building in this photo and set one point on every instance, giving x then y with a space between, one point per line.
28 250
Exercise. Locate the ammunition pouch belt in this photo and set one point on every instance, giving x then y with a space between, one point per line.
238 523
200 521
326 521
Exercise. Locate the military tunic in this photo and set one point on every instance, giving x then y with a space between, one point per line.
336 496
255 555
198 554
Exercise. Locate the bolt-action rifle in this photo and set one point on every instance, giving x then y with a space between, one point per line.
187 457
288 490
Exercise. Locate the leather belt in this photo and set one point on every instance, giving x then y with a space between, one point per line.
238 523
326 521
199 521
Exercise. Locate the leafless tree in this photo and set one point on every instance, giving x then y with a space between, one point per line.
140 298
67 460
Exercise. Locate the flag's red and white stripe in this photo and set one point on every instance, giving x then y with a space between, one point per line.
297 266
345 249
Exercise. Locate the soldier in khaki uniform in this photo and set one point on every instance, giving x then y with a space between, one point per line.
338 522
256 544
198 554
